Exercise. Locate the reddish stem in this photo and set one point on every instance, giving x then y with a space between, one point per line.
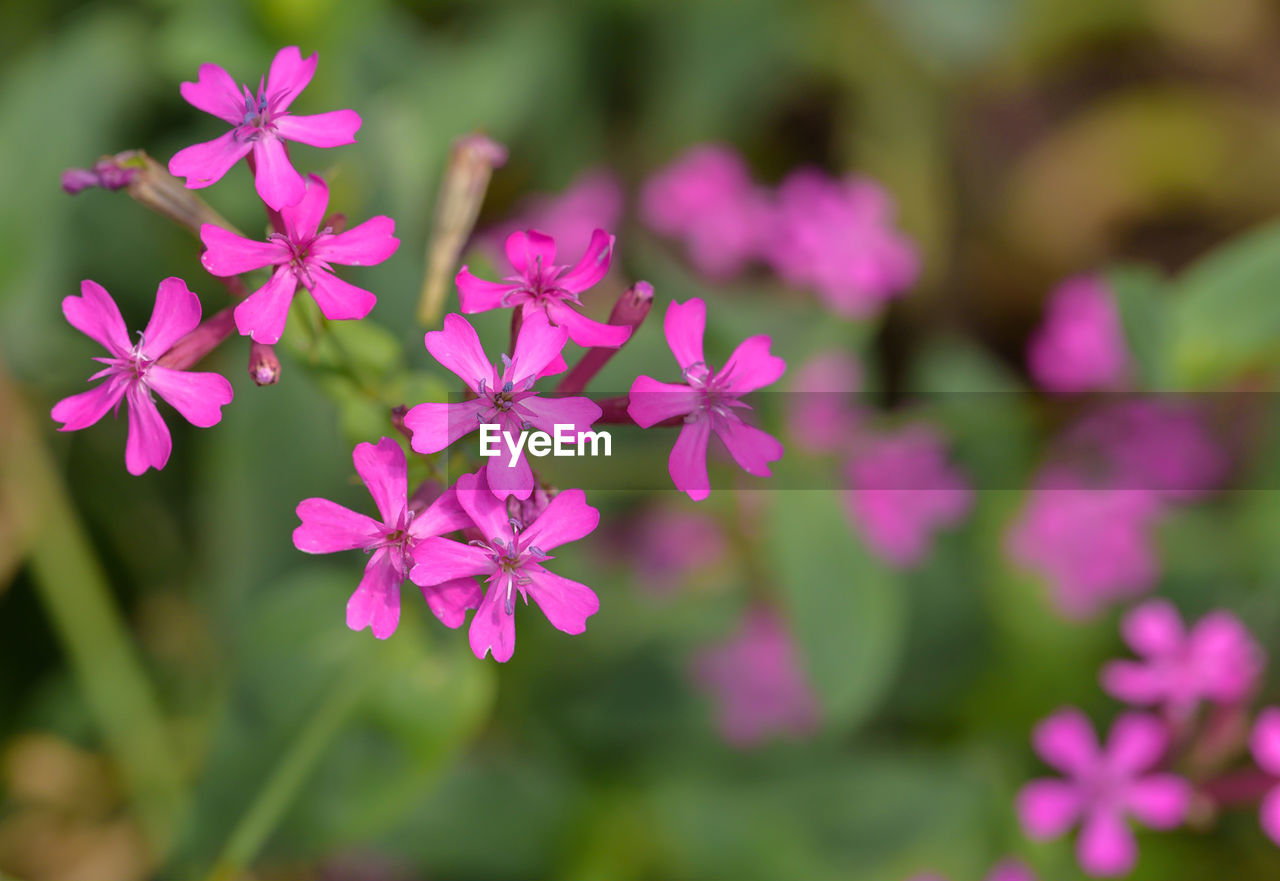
201 341
613 411
630 311
1240 787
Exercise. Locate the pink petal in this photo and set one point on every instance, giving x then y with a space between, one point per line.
1160 801
337 299
450 601
376 602
546 413
229 254
1265 740
509 479
443 515
487 512
1047 808
457 347
1133 682
530 251
751 366
688 461
1228 660
1136 742
96 315
684 325
215 92
366 244
1106 847
149 443
328 527
383 470
199 397
263 313
176 314
437 560
593 266
1154 628
567 604
302 220
288 76
1066 740
332 129
585 331
277 181
436 426
651 402
750 447
205 164
492 629
537 345
85 409
568 518
1269 814
478 295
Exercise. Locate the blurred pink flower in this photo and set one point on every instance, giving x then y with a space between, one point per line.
301 255
505 399
593 201
1265 745
328 527
757 681
261 123
1103 787
132 374
510 556
1009 870
667 544
1216 660
706 399
1080 345
822 413
707 199
541 286
902 490
837 237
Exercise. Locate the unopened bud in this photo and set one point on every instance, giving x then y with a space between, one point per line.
264 366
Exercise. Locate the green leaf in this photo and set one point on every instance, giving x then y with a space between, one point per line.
1142 298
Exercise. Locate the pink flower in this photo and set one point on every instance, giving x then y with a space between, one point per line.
1265 745
822 413
901 491
510 555
505 398
301 255
707 198
328 527
1102 788
758 682
1216 660
837 237
593 201
1080 346
132 374
666 544
706 400
541 286
260 123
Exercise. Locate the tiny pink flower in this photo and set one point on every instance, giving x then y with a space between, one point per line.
301 255
509 555
822 414
1080 345
261 123
593 201
707 400
328 527
539 285
837 238
1102 787
901 491
1265 745
707 198
1217 660
132 374
504 398
758 682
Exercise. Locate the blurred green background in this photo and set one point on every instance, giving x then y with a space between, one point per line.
161 635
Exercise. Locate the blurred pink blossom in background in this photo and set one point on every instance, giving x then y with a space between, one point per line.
592 201
1009 870
1265 745
1080 344
667 544
821 407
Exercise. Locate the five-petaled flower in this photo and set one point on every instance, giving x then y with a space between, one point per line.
132 374
261 123
504 398
510 555
706 400
1103 786
301 255
328 527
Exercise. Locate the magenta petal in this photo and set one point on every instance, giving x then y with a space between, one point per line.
457 348
215 92
85 409
436 426
176 314
478 295
328 527
337 299
263 313
149 444
585 331
688 461
1066 740
537 345
1136 742
366 244
437 560
509 479
277 181
1106 846
95 314
376 602
1133 682
492 629
450 601
1265 741
593 266
332 129
1160 801
651 402
302 220
289 75
1047 808
684 325
546 413
566 603
443 515
229 254
199 397
527 251
750 447
1269 814
568 518
205 164
487 512
1153 628
751 366
383 470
